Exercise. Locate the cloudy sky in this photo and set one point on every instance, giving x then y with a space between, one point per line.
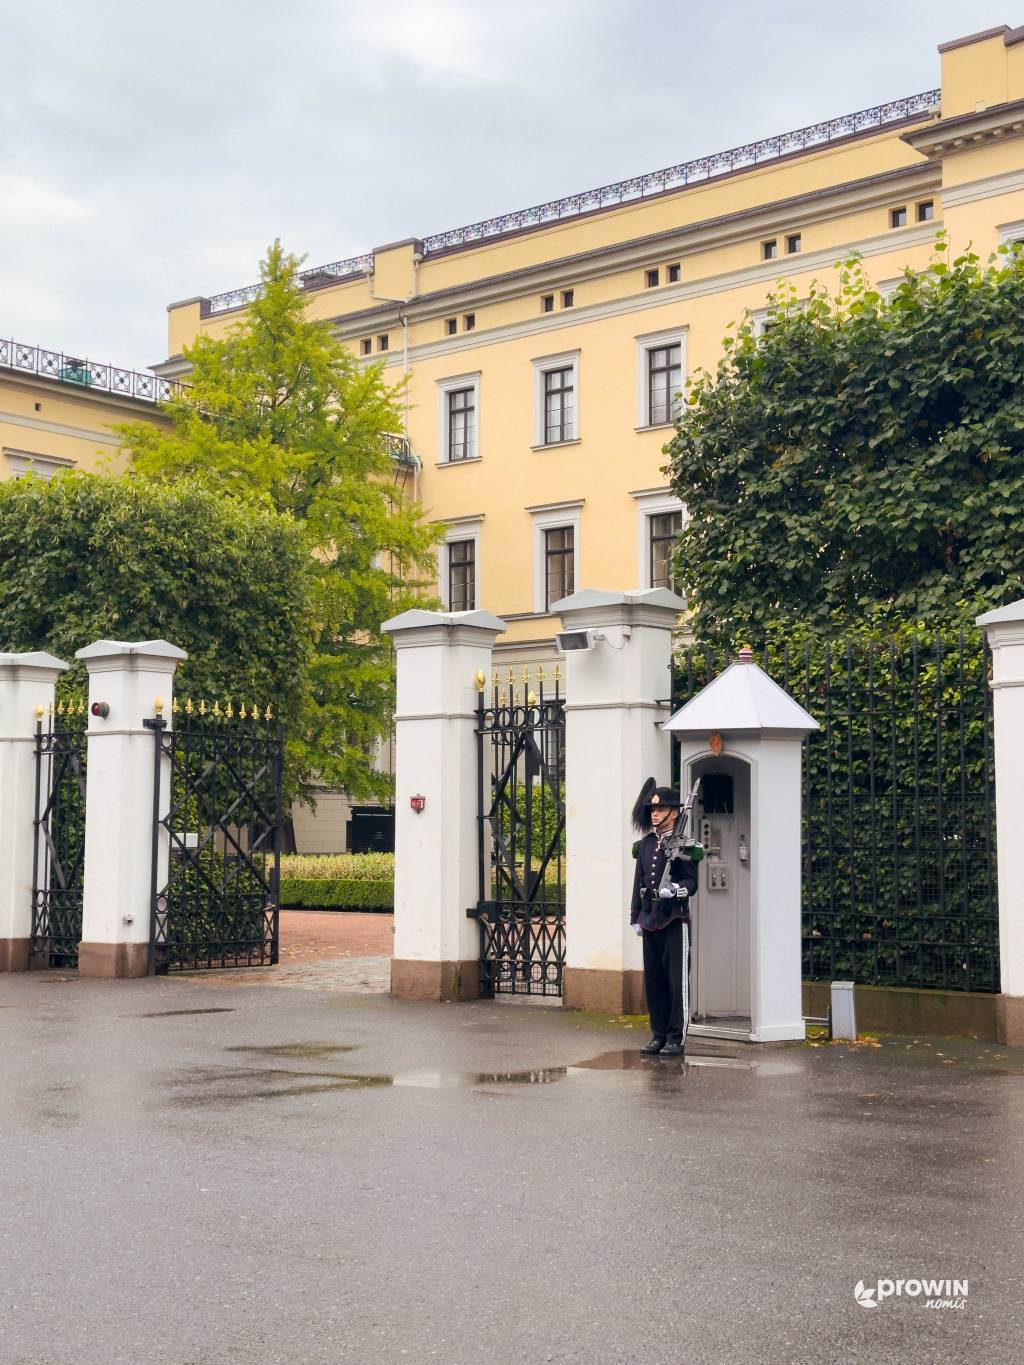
150 152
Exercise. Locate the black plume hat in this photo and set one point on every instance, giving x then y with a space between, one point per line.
652 795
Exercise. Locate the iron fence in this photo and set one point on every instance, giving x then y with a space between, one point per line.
899 846
59 843
521 850
85 373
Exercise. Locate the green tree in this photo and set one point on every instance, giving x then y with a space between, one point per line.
85 557
861 458
280 409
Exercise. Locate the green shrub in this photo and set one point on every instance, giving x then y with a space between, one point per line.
314 894
340 867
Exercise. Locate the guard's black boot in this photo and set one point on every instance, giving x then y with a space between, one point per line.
653 1047
672 1050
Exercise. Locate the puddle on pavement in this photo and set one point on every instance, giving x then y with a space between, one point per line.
297 1049
171 1014
228 1085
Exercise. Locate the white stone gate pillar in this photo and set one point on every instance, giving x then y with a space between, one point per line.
27 684
617 695
130 679
436 847
1005 631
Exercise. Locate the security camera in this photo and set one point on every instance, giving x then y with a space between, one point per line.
571 641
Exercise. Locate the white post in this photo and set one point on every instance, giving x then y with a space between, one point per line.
439 656
27 684
133 680
1005 630
617 695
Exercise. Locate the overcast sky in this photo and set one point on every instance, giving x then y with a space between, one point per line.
150 152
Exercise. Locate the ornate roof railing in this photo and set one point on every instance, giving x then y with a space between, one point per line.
320 274
622 191
86 374
702 168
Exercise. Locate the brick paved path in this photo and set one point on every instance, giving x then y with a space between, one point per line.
323 951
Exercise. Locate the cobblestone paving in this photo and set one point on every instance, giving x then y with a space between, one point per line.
355 975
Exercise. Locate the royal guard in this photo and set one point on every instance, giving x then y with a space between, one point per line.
665 879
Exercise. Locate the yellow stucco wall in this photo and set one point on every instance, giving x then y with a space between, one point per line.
63 424
838 198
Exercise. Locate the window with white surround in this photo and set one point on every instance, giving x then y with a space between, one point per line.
556 399
458 418
556 548
459 565
1012 234
660 376
661 517
21 462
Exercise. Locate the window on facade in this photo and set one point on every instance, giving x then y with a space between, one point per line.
652 279
898 217
926 211
664 380
382 343
674 274
793 243
366 345
664 529
559 406
451 326
769 250
469 322
462 575
568 295
559 558
461 404
547 303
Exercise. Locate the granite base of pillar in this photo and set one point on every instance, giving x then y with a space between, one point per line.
1010 1020
119 960
415 980
603 992
14 954
902 1009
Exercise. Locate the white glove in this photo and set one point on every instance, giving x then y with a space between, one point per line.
637 929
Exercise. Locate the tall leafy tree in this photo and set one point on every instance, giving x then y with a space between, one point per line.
278 409
863 458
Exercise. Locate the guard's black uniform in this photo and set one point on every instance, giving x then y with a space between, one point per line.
666 937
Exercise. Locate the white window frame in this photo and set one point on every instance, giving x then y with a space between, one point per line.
567 360
444 388
653 341
459 529
1011 232
21 462
651 502
553 517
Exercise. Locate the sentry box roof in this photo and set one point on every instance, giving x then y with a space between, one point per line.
742 700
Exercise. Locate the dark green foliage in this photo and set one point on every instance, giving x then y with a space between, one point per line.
863 456
87 557
312 893
899 877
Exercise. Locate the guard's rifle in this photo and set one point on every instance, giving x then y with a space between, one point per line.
680 843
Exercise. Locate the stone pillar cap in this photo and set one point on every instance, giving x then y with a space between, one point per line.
109 649
419 619
588 598
1013 612
33 659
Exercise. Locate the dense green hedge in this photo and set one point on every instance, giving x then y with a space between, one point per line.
314 894
340 867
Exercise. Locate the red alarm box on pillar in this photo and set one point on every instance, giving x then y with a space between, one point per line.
417 803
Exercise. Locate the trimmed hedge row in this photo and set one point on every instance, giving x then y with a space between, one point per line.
316 894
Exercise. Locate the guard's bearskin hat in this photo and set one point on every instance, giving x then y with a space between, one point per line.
652 795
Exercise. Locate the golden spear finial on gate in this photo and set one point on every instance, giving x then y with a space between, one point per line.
480 680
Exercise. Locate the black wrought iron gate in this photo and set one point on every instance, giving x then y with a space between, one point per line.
59 845
217 803
521 905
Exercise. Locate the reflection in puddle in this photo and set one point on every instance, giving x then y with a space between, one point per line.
170 1014
227 1085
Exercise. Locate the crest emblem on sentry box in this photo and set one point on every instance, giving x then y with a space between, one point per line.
715 744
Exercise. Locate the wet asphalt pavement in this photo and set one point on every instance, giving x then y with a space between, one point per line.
192 1175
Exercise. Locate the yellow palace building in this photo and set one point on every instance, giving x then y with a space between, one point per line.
546 348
